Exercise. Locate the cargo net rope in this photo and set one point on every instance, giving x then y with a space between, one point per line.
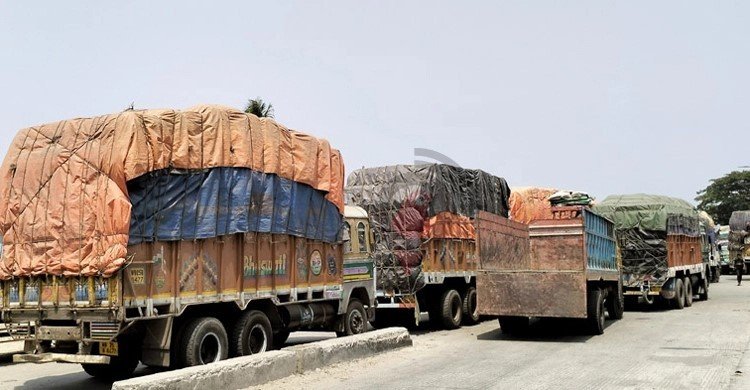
644 252
410 205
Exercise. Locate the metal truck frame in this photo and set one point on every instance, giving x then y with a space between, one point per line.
183 303
569 270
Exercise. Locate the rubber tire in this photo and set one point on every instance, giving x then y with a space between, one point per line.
704 295
688 291
514 325
355 319
679 300
616 303
451 313
595 311
469 307
248 322
117 369
194 334
280 337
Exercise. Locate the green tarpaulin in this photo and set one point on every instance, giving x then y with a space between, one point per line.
648 212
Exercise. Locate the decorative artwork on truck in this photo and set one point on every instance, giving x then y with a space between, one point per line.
301 252
331 264
249 269
187 275
316 262
160 269
357 270
210 274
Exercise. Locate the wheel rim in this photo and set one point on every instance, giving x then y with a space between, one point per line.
257 339
356 322
210 348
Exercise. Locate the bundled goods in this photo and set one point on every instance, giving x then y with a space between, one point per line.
410 204
530 204
642 223
570 198
76 193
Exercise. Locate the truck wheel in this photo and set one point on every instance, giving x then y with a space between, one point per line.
469 306
688 291
615 303
120 367
703 295
451 312
251 334
679 299
204 341
595 311
280 337
513 325
355 320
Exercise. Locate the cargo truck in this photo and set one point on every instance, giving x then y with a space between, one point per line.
739 237
722 247
424 243
175 238
708 247
660 243
567 270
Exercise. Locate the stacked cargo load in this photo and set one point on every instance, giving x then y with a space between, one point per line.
142 215
530 203
660 242
739 237
421 219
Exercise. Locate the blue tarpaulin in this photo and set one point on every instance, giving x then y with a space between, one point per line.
185 205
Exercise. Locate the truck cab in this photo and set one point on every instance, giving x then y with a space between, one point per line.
359 270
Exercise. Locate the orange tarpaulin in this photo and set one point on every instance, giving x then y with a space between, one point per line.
64 207
530 203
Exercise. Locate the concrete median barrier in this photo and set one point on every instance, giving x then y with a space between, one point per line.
254 370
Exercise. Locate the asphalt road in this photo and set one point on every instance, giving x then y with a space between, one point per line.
698 347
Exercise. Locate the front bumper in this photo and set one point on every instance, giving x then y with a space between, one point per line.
48 357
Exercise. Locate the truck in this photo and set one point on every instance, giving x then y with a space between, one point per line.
422 219
567 268
660 245
739 237
709 249
722 247
175 238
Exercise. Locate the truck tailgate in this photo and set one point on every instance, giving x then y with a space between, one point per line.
532 293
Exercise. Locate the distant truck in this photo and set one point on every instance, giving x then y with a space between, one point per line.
423 223
709 249
660 242
201 248
722 247
569 270
739 237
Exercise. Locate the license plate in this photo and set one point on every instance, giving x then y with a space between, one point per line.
108 348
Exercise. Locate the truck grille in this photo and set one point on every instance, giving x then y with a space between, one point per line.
104 330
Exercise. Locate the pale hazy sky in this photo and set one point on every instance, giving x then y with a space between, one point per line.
600 96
